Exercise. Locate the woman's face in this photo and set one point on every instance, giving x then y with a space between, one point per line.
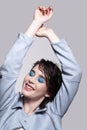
34 85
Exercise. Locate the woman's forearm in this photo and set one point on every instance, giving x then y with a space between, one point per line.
32 29
41 16
52 37
48 33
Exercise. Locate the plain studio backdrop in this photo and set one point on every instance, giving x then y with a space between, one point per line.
70 23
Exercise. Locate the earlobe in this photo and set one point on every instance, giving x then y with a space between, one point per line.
47 95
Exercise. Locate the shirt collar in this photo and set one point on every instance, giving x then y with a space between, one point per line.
19 104
38 110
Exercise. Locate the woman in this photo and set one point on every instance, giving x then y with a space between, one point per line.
46 92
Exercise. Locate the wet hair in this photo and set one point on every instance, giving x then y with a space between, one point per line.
53 76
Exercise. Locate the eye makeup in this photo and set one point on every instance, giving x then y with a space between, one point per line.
31 73
41 79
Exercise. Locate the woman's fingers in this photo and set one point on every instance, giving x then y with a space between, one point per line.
45 10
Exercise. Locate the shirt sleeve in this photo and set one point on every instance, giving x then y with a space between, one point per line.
71 74
9 71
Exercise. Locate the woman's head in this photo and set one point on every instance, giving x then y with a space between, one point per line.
53 77
42 82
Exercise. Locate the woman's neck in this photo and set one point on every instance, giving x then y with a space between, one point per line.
29 105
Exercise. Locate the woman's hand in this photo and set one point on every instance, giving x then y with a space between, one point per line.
43 31
48 33
43 14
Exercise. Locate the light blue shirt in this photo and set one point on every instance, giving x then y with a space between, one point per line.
12 116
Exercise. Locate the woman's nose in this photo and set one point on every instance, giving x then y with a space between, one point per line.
32 80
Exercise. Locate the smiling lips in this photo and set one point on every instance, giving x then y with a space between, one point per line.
28 87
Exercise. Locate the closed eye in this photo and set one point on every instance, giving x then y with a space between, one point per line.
31 73
41 79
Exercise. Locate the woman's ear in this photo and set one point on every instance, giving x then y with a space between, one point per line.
47 95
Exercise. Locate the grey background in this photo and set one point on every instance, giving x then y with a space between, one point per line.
69 22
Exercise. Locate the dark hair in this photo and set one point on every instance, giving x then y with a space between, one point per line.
53 77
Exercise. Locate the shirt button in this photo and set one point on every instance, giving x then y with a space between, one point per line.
25 121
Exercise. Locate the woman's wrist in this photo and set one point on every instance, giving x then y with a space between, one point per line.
52 37
33 28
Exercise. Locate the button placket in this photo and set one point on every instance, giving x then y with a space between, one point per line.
26 124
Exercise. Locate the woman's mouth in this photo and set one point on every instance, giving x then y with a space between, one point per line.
28 87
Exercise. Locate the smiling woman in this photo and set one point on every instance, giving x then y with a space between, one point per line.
34 86
47 91
44 80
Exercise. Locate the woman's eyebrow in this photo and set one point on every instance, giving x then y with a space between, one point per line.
32 70
39 74
42 76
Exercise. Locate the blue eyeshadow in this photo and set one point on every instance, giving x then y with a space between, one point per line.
41 80
31 73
